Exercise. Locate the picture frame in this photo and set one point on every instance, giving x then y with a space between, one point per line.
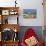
5 12
29 13
12 12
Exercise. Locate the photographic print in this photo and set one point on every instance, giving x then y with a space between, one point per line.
5 12
29 13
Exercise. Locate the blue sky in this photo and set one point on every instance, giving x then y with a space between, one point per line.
27 11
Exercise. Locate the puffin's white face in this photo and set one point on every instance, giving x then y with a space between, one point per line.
31 41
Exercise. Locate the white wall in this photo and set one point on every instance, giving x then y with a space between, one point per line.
33 4
6 3
27 4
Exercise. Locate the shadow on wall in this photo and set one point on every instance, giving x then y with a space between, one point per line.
37 29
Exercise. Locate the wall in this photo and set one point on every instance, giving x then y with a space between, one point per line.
33 4
6 3
27 4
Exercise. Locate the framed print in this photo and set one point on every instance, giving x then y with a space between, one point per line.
5 12
12 12
29 13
